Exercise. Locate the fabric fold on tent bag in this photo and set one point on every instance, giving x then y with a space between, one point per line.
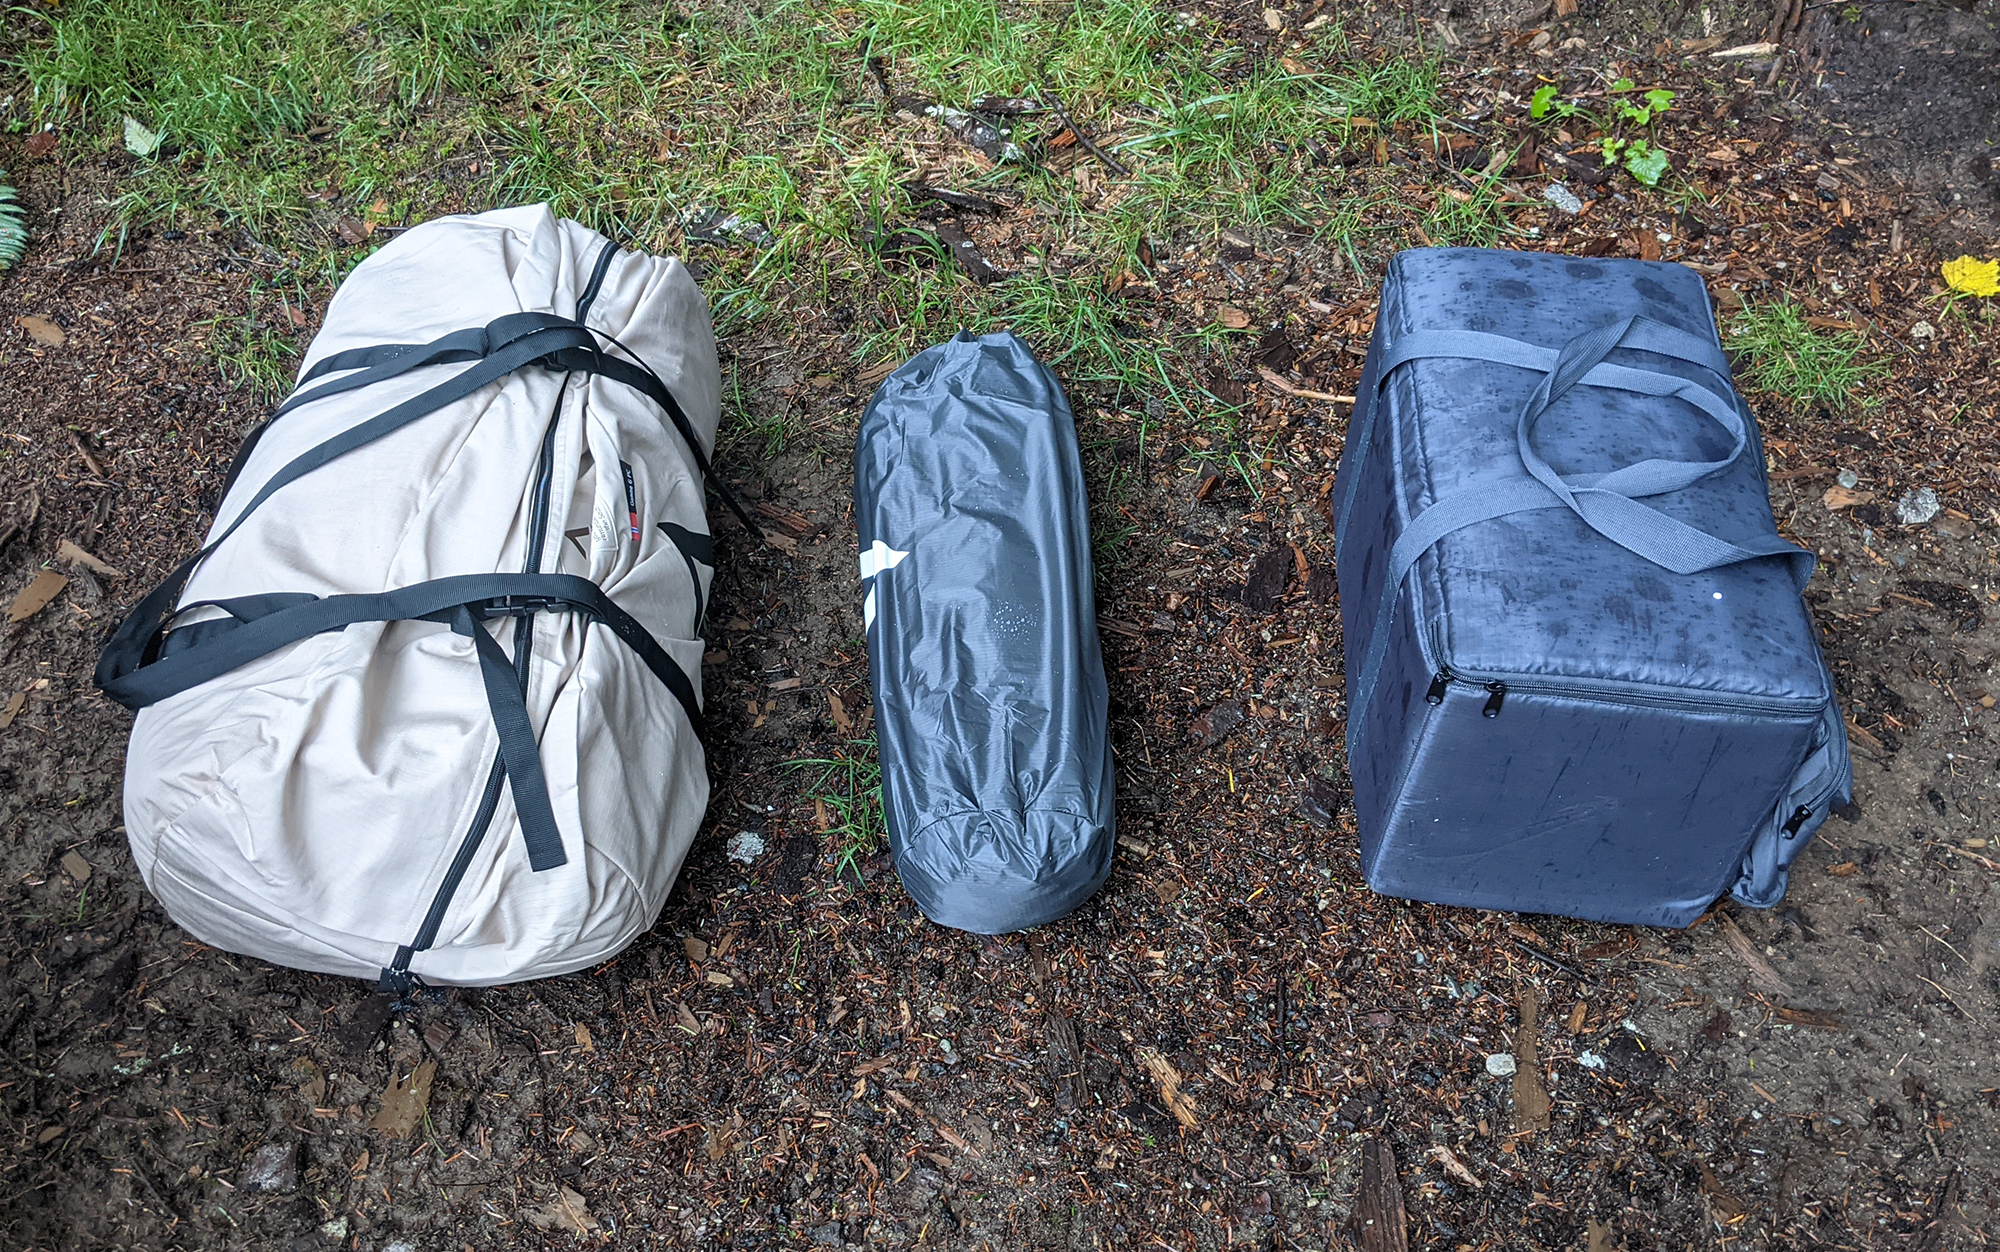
426 706
991 710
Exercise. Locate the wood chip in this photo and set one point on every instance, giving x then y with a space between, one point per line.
1279 381
1762 976
75 866
15 703
837 709
1179 1103
956 1140
1845 497
1380 1223
1531 1098
567 1211
1455 1167
42 331
70 552
1866 740
404 1102
583 1040
875 373
34 597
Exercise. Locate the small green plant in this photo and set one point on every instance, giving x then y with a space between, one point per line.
1630 110
1789 357
846 792
13 229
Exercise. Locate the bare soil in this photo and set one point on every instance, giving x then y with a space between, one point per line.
796 1059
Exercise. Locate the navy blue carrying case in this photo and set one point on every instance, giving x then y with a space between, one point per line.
1581 677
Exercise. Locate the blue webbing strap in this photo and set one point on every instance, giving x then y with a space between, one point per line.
1645 334
1606 502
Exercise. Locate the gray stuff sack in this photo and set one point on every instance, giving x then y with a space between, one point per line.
990 706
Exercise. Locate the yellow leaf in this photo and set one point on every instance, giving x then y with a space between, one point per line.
1973 276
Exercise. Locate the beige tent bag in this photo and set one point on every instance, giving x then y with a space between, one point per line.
426 708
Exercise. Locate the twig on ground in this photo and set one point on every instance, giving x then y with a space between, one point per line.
1062 115
1277 380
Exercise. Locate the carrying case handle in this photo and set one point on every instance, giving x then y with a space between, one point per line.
1606 502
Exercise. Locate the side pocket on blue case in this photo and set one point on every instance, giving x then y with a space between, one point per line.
1827 775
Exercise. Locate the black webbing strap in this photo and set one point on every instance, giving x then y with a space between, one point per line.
588 297
511 344
385 361
462 602
144 623
694 548
520 755
591 360
130 678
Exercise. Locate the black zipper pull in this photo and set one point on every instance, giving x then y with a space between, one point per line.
1797 819
1439 681
1497 692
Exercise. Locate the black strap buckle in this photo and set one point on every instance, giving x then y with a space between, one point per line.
523 606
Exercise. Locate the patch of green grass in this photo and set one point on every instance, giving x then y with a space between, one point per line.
1475 221
633 118
13 229
256 352
1789 357
847 788
1400 89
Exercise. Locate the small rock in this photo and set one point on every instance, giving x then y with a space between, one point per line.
335 1229
1589 1059
1563 198
1213 726
1918 505
399 1245
830 1235
1501 1064
273 1167
1922 331
1849 479
745 847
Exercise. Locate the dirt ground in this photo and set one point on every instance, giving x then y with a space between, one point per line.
795 1058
